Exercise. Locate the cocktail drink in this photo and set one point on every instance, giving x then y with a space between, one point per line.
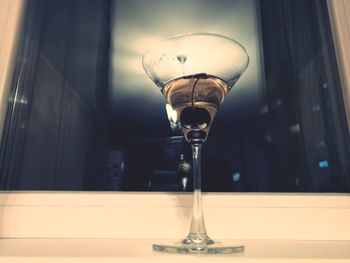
196 100
195 72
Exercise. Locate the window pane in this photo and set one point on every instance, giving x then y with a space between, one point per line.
83 115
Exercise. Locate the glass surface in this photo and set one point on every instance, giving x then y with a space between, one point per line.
191 54
83 115
195 72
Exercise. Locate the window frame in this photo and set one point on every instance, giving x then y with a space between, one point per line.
339 13
141 215
252 216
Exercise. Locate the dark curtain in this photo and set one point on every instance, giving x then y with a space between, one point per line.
307 115
58 94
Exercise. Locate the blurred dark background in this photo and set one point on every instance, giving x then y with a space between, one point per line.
82 115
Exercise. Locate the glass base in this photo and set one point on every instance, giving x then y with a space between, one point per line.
213 248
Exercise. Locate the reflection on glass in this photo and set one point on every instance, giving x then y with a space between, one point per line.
173 120
65 114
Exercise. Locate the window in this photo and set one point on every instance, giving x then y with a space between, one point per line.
82 115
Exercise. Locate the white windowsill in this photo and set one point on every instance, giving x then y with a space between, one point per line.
137 250
121 227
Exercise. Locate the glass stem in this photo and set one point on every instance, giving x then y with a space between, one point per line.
197 230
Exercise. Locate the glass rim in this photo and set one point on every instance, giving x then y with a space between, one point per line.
194 34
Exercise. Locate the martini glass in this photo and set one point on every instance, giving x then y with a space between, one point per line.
195 72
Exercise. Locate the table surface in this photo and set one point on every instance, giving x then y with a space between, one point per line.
135 250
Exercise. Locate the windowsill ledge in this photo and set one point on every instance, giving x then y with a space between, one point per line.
121 227
140 250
